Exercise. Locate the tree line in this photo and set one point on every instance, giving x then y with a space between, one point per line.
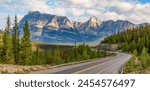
137 41
66 55
18 50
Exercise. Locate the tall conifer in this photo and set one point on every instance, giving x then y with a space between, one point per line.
16 41
7 54
26 50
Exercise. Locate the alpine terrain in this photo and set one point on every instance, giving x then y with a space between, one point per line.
59 29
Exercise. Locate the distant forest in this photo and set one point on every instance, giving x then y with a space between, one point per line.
16 50
136 41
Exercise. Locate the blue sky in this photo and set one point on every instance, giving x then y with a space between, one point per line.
136 11
144 1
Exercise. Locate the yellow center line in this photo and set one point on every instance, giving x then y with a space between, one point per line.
77 72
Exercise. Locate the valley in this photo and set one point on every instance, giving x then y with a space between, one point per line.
19 52
46 46
41 39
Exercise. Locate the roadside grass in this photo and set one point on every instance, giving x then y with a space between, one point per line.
134 66
19 69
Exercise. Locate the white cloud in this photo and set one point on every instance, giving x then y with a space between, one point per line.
83 3
58 11
131 10
114 9
143 8
4 1
113 16
3 18
77 12
3 21
93 12
35 5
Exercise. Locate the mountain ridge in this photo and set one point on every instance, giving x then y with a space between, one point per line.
54 29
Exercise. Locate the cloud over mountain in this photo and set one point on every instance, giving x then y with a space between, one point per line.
60 29
132 10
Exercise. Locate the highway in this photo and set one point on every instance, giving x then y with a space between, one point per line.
107 65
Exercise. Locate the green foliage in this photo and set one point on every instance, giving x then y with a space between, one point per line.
26 50
131 39
134 39
144 58
38 57
56 59
59 56
16 41
84 51
133 64
130 66
19 51
7 55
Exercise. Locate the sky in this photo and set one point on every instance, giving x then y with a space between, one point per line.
136 11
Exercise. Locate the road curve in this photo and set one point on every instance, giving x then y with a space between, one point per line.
108 65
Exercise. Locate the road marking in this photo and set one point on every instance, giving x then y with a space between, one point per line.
111 65
108 67
87 69
77 72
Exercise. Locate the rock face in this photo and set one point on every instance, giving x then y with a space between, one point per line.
110 27
59 29
90 27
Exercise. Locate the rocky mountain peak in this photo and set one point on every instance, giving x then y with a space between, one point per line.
94 21
53 24
51 28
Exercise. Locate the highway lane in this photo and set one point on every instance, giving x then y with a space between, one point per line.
108 65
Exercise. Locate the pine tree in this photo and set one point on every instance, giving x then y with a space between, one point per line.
16 41
57 56
76 55
36 59
26 50
49 57
7 54
144 58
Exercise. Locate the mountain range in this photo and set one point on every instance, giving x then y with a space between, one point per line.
59 29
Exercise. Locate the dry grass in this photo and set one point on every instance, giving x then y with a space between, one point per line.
18 69
147 70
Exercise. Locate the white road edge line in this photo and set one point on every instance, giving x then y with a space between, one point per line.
108 67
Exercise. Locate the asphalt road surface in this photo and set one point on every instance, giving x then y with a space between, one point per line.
108 65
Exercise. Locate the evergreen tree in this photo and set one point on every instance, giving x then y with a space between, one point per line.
76 55
36 58
7 54
26 50
144 58
49 57
85 50
16 41
137 38
57 56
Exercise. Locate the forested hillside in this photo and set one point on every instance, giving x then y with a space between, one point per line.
136 41
17 50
